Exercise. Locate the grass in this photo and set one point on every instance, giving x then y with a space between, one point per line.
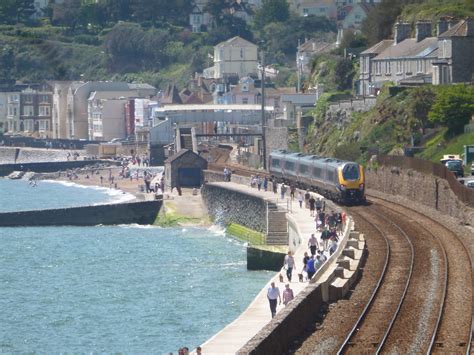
439 146
246 234
167 217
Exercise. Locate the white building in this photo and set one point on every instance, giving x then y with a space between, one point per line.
106 112
235 57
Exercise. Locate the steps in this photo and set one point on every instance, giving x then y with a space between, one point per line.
277 226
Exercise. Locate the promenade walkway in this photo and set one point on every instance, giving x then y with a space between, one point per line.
235 335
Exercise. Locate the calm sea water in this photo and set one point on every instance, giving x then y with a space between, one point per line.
127 289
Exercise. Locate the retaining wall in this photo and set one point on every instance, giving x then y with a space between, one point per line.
425 189
143 212
49 167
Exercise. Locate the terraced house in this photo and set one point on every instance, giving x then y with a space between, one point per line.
424 59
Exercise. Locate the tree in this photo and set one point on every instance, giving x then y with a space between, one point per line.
343 73
272 11
7 63
16 11
67 13
453 107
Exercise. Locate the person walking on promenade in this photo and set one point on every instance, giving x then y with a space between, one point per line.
274 186
287 294
292 191
333 247
283 191
289 265
307 196
273 296
310 268
305 262
322 257
325 235
313 244
312 203
300 199
265 183
319 204
259 183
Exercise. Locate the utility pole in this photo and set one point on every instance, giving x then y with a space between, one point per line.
264 121
298 68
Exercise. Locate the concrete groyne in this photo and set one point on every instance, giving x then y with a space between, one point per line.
142 212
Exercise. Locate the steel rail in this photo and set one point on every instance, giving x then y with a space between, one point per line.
402 298
446 272
374 293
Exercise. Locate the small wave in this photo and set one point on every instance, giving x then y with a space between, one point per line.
215 229
118 196
138 226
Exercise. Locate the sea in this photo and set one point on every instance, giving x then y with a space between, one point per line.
126 289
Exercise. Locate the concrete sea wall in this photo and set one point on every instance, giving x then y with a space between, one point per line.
143 212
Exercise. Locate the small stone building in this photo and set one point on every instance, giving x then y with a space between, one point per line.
184 169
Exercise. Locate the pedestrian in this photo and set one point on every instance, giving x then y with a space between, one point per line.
312 203
325 235
289 265
274 186
319 204
307 195
313 244
198 350
292 191
300 199
273 296
283 191
322 257
265 183
259 183
310 269
287 294
305 262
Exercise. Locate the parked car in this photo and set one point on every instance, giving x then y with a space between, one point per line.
472 169
455 166
470 184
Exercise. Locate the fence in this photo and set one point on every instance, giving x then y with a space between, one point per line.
463 193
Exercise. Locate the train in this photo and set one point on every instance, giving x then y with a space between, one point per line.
338 180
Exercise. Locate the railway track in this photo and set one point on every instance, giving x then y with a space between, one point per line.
420 297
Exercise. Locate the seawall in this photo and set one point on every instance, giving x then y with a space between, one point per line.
49 167
143 212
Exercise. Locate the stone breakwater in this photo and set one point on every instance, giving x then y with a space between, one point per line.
9 155
143 212
50 167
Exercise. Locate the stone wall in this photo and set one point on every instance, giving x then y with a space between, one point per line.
227 206
341 111
143 212
424 189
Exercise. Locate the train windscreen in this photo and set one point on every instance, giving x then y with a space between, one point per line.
350 172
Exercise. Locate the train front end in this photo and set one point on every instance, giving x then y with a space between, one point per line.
351 183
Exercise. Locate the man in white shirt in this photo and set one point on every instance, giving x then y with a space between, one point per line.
273 295
289 265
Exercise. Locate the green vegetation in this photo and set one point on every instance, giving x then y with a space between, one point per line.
246 234
439 145
167 217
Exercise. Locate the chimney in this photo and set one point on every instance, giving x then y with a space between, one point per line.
423 30
402 31
470 27
442 26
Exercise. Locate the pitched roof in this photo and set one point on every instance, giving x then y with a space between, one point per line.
411 48
180 154
236 42
379 47
458 30
171 96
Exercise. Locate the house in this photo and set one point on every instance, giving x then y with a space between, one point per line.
355 15
235 57
106 111
308 50
323 8
423 59
199 20
59 114
35 110
12 121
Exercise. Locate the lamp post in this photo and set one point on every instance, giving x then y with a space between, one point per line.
264 122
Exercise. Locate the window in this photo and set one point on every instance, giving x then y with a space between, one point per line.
276 163
44 98
245 101
303 169
378 67
43 125
330 176
388 70
28 111
399 67
28 98
28 125
44 111
241 52
317 172
290 166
